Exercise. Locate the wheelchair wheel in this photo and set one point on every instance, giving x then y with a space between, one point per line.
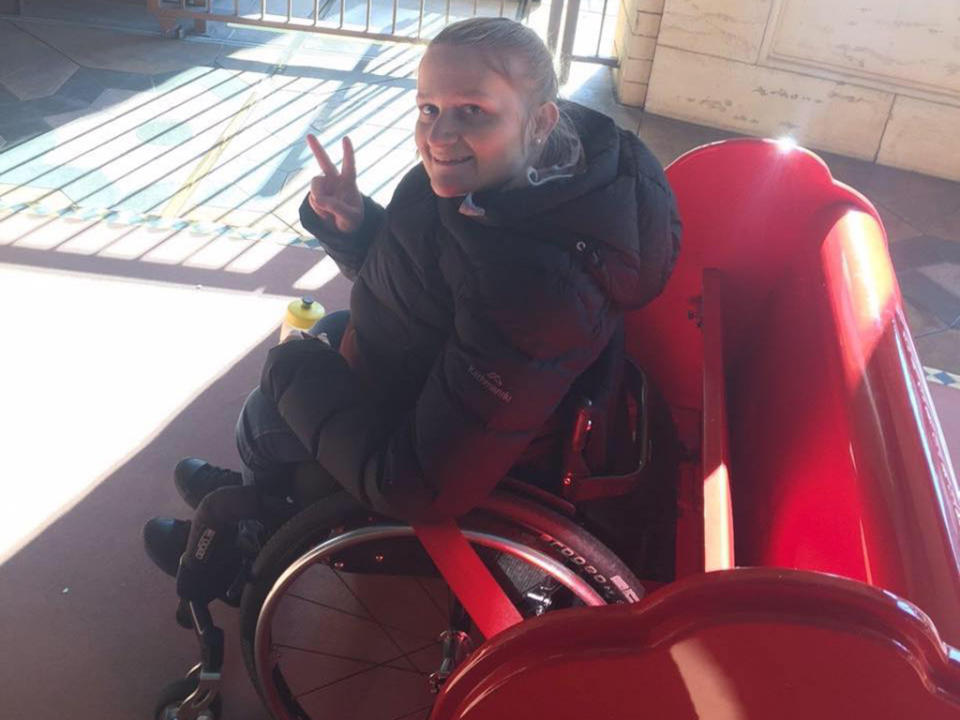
346 615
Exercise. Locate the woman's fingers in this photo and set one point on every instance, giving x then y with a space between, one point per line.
318 210
349 167
333 206
321 155
334 196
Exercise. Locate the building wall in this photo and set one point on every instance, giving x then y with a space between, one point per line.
877 80
635 43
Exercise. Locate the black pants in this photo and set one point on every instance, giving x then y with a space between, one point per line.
271 453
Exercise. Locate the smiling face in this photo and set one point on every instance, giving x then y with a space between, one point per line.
475 130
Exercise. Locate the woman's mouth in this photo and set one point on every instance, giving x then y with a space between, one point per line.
449 162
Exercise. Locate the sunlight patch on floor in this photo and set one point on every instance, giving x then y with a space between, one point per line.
93 368
319 275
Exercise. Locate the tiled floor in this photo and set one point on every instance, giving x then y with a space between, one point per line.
174 170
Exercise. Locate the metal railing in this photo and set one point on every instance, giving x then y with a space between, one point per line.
403 21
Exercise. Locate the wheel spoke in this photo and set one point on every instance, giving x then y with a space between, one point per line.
385 663
432 599
371 665
376 622
357 616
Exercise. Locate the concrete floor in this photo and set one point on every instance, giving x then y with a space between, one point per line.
148 244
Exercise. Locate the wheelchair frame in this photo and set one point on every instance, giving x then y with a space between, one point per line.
600 578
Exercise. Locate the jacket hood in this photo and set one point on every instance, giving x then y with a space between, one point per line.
619 211
619 208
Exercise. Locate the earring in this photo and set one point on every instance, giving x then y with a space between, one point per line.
537 141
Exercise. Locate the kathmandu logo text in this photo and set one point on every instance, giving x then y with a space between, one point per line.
491 383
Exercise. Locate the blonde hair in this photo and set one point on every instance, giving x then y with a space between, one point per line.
500 40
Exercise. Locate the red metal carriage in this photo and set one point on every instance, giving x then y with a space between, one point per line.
818 541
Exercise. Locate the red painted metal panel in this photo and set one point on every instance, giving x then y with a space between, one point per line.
718 548
836 465
748 644
908 495
837 461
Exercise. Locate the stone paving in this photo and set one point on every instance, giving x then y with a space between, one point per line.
149 239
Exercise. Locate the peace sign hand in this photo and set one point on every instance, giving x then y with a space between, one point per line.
334 195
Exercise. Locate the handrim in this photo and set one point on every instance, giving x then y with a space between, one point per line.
580 587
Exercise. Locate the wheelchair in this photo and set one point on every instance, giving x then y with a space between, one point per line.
343 613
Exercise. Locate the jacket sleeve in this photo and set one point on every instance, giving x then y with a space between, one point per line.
504 369
348 250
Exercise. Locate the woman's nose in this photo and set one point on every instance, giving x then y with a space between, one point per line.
444 130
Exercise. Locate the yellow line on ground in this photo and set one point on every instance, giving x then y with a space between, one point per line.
178 201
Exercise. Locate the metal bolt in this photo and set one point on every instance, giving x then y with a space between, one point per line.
378 557
338 565
567 481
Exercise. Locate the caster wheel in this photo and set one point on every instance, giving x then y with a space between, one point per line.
174 694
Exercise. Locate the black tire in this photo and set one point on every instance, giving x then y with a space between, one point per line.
504 515
175 693
554 534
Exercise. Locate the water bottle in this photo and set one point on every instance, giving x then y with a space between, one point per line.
301 315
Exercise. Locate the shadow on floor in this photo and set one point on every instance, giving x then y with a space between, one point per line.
276 276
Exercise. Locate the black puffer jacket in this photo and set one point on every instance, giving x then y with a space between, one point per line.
470 331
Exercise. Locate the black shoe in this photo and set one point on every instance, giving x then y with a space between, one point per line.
165 539
196 478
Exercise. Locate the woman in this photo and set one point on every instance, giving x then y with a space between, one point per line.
497 274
